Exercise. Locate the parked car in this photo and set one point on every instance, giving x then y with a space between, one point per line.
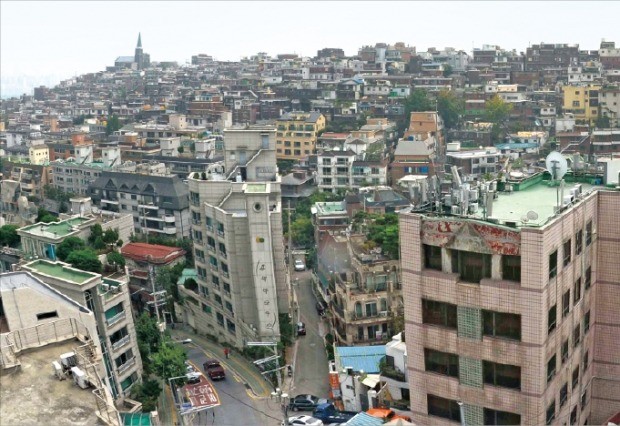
301 329
186 341
300 265
329 414
320 308
304 420
214 370
305 402
193 378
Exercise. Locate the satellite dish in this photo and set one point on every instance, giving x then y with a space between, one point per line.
556 165
532 215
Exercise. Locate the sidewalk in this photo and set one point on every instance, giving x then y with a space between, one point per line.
247 373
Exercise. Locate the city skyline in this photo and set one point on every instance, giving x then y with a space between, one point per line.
29 59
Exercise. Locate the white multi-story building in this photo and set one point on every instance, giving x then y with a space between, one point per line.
340 170
238 243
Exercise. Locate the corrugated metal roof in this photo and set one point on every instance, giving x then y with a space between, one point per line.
360 358
363 419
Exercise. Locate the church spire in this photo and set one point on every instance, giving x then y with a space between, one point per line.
139 46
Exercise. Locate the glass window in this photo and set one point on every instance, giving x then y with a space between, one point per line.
508 376
586 323
511 268
564 351
588 278
573 416
432 257
577 291
438 313
499 324
584 400
441 362
589 233
576 335
551 319
579 241
553 264
471 267
551 368
575 381
551 413
495 417
565 303
442 407
567 251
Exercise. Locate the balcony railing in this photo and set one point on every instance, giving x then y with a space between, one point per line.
120 343
220 232
209 228
126 365
393 373
226 274
116 318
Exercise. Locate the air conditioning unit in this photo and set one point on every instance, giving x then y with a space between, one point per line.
456 210
58 370
68 360
473 208
79 377
105 287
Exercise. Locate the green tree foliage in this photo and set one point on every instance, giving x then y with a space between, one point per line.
381 230
85 260
110 236
302 232
602 122
45 216
497 110
450 107
96 231
57 194
147 393
180 149
9 236
68 246
447 70
112 125
417 101
169 360
115 258
147 332
98 244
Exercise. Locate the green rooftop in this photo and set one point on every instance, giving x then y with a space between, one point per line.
55 229
60 271
330 207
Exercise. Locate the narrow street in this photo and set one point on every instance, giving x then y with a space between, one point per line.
311 360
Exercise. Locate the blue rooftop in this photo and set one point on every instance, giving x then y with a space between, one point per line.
363 419
360 358
516 145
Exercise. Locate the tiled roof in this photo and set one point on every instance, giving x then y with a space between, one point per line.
152 253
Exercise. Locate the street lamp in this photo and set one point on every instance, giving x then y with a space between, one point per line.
282 399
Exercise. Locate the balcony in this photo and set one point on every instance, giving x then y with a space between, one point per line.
220 232
210 248
147 207
115 319
111 202
213 267
223 254
196 222
209 228
120 343
392 373
126 365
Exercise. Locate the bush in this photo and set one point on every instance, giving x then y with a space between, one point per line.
86 260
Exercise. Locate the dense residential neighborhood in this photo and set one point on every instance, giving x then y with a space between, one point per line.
390 237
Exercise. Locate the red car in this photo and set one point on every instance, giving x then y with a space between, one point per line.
214 370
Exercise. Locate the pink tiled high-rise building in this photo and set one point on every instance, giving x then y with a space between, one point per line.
516 316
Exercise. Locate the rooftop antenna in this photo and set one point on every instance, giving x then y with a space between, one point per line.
557 167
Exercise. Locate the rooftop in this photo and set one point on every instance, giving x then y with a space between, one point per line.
152 253
40 396
360 358
55 229
60 270
329 208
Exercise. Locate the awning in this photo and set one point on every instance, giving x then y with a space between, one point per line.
371 380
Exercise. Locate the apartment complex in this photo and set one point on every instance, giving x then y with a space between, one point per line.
109 300
516 316
297 134
582 101
238 243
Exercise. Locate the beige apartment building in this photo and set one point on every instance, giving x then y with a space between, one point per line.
517 319
297 134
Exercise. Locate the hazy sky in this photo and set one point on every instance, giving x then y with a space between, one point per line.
54 40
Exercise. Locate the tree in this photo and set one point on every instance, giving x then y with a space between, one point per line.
112 125
169 360
180 149
602 122
447 70
110 236
147 332
115 258
147 393
68 246
45 216
417 101
96 231
383 231
9 236
302 232
98 244
86 260
450 107
497 110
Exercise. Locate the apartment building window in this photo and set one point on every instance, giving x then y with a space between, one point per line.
575 380
500 324
588 278
287 152
573 416
441 362
566 303
471 267
567 251
230 326
586 323
432 257
511 268
227 288
215 281
442 407
211 243
550 413
584 400
229 306
563 394
553 264
565 351
204 291
218 299
576 335
577 291
496 417
551 319
588 233
220 319
206 309
551 366
297 152
586 360
439 313
124 358
504 375
578 241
